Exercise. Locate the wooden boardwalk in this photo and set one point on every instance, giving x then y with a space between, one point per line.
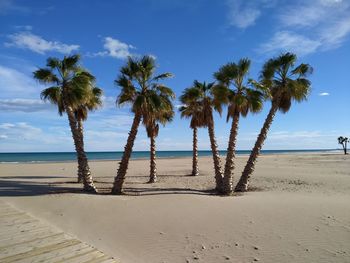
24 239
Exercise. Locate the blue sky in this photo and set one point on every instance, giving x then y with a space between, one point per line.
188 38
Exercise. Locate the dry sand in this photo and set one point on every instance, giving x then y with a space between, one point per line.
299 210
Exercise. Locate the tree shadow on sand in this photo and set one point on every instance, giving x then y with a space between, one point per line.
39 185
31 188
165 191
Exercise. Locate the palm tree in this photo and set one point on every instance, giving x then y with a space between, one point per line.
241 97
202 102
141 89
81 113
72 88
283 83
343 141
164 116
191 108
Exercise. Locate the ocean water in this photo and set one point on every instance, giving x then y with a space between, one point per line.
71 156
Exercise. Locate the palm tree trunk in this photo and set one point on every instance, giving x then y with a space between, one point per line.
153 169
123 166
195 171
216 155
83 166
80 170
243 183
231 155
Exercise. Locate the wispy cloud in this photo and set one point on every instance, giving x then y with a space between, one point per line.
114 48
7 6
35 43
14 83
23 27
303 139
24 105
12 6
243 14
323 94
306 27
290 41
23 136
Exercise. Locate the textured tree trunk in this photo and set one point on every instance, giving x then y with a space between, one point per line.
83 166
195 170
216 155
123 165
243 183
80 169
153 169
231 155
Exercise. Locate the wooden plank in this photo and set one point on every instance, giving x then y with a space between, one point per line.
95 254
39 251
11 240
24 239
25 232
55 255
73 255
20 228
32 244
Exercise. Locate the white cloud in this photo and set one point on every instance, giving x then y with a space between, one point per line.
35 43
335 34
243 14
306 27
14 83
24 27
109 102
24 105
324 94
115 48
304 139
19 130
22 136
10 6
290 41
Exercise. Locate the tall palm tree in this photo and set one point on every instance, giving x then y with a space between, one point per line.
72 88
140 88
164 116
93 102
191 108
200 97
283 83
235 90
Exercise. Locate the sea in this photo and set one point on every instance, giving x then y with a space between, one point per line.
36 157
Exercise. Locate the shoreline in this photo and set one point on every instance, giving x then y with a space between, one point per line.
281 152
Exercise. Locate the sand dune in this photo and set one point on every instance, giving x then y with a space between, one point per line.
298 212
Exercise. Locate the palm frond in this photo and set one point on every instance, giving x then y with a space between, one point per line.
227 73
286 82
162 76
45 76
164 90
53 63
70 62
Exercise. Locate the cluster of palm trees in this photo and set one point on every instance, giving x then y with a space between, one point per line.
280 81
75 93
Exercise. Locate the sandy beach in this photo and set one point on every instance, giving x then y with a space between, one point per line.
298 210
